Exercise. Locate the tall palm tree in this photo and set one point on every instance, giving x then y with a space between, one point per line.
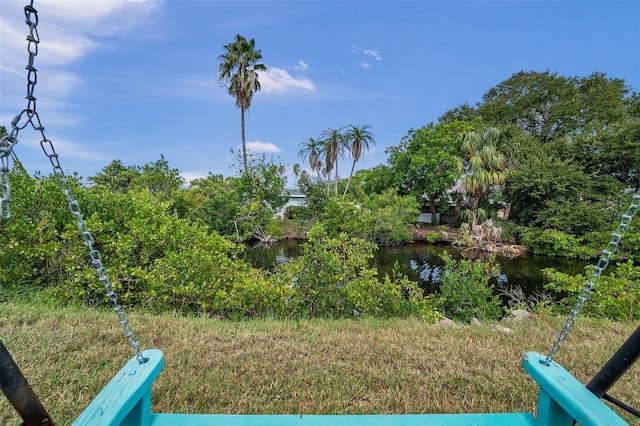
311 148
333 148
357 139
485 165
239 73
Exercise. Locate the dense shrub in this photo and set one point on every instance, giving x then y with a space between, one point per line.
333 278
298 212
465 292
549 242
616 296
31 250
380 218
159 261
153 258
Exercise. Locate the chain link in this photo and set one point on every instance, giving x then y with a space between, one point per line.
598 269
30 116
6 148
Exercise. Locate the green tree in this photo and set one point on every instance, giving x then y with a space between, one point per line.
549 106
538 180
315 195
357 139
158 178
311 148
554 189
239 72
375 180
333 148
258 195
218 204
464 112
566 138
426 163
265 182
242 206
537 102
384 218
611 151
115 176
485 165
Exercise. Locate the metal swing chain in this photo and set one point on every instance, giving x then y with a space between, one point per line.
598 269
6 147
30 116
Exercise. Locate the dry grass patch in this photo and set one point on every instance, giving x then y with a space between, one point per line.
339 367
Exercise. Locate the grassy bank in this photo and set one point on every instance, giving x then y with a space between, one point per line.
367 366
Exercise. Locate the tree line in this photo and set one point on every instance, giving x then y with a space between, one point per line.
562 151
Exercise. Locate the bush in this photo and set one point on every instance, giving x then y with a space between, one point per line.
616 296
549 242
380 218
333 278
159 261
298 212
465 292
154 259
32 252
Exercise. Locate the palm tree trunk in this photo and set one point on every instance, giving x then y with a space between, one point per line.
244 144
353 166
474 211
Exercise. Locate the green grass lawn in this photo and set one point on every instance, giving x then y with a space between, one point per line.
318 366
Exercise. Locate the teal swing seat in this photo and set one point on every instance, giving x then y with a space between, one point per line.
126 400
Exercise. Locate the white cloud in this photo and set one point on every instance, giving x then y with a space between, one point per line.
82 10
301 66
65 148
104 18
374 53
59 83
68 31
258 146
279 81
61 46
12 40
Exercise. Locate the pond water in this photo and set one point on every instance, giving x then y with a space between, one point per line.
422 263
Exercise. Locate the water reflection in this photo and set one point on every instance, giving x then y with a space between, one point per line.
423 263
268 256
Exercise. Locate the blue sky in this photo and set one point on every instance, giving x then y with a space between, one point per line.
132 80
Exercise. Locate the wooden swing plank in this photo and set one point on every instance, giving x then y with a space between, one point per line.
511 419
126 399
563 398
